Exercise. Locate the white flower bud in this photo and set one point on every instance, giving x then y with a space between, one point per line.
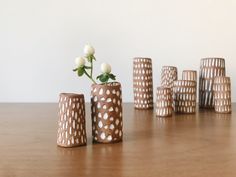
88 50
80 61
105 68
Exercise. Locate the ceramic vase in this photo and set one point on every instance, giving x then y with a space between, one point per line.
142 83
168 75
71 124
163 102
189 75
209 69
222 94
184 96
106 110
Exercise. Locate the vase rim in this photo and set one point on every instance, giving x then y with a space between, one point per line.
146 58
72 94
110 84
207 58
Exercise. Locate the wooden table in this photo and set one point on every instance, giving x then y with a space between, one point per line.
200 145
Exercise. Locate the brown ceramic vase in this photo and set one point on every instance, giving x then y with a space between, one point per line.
106 110
142 83
71 123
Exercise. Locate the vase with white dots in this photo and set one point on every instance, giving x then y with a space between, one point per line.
106 112
142 83
71 124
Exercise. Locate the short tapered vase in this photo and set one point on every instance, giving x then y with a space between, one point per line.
163 102
222 94
71 124
209 69
142 83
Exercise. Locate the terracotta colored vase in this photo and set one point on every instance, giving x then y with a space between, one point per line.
106 109
189 75
163 102
222 94
142 83
209 69
169 74
184 96
71 124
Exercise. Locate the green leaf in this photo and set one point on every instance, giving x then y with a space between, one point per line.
75 69
103 78
80 71
112 76
87 67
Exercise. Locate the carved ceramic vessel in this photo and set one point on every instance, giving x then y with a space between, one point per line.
184 96
189 75
142 83
163 102
210 68
222 94
168 75
71 123
106 110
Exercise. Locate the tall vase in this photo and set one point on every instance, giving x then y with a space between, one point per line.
169 74
163 102
210 68
106 111
222 94
142 83
71 124
184 96
190 75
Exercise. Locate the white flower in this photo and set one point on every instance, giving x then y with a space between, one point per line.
80 61
105 68
88 50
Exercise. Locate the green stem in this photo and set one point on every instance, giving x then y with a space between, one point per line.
91 70
90 77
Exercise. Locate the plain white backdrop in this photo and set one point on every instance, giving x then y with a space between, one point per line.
39 40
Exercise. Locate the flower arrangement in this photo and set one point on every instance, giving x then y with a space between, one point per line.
83 69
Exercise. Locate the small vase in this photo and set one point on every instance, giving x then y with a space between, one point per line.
169 74
184 96
142 83
71 124
222 94
106 111
189 75
209 69
163 102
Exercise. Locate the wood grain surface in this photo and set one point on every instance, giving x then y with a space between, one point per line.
196 145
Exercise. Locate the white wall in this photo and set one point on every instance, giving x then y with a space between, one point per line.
39 40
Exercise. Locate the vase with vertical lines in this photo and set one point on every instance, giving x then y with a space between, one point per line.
106 113
222 94
189 75
71 124
169 74
142 83
184 96
209 69
163 102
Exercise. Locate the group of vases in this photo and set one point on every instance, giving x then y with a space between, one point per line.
173 95
106 115
180 95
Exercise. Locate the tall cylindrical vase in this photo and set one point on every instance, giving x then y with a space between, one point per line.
106 110
184 96
169 74
142 83
163 102
189 75
71 123
209 68
222 94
